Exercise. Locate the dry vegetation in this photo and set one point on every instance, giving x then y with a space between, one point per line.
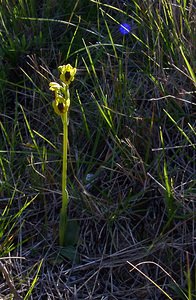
131 169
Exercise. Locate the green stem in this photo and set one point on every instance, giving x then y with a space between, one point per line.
63 212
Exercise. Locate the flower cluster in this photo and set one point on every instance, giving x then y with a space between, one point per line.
62 98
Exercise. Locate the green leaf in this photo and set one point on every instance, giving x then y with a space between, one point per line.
72 233
70 252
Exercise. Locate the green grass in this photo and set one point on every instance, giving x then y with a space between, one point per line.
131 154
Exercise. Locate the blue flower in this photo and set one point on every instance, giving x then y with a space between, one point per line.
124 28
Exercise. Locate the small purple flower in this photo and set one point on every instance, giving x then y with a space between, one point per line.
124 28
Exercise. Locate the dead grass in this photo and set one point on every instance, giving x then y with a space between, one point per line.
131 167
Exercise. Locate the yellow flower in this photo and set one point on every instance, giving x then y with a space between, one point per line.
62 99
67 73
55 87
61 105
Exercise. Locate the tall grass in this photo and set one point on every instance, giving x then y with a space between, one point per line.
131 154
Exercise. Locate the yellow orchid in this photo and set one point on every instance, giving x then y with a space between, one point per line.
54 86
61 105
62 99
67 73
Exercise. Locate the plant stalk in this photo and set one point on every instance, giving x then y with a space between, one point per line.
63 212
